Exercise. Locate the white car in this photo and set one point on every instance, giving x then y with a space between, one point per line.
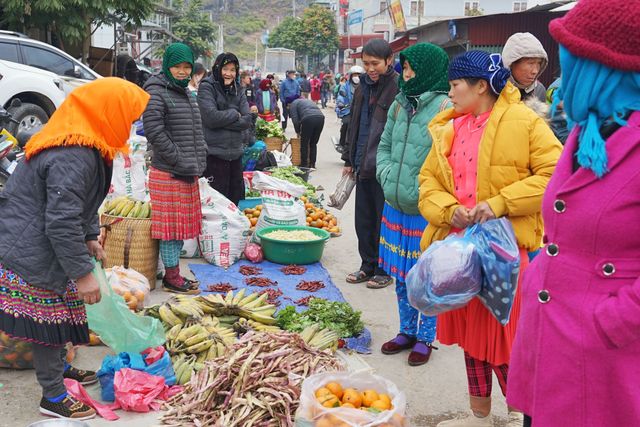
39 91
17 47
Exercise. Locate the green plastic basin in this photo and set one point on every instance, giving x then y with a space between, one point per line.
298 252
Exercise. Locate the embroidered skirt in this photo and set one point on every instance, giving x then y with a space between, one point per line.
176 212
400 236
38 315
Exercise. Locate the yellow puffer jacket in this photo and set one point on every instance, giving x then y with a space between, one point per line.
517 156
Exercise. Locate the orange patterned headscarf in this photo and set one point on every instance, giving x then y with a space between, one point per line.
98 114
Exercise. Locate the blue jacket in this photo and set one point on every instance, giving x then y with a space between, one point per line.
289 88
345 97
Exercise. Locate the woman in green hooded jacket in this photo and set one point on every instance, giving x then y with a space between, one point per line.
403 148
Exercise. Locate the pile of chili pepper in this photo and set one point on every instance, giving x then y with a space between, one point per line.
262 282
311 286
247 270
220 287
295 270
303 300
273 295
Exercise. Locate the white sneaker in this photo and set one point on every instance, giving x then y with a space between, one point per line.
516 419
468 420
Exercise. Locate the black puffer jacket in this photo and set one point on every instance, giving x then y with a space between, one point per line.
225 116
173 128
48 210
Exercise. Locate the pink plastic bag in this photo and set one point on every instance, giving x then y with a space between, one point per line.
140 392
75 389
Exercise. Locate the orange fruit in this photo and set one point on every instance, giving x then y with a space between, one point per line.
322 391
381 405
139 294
368 397
352 396
253 221
348 405
385 398
336 389
329 401
323 422
127 296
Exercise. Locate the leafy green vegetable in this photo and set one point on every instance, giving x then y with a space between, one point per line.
338 316
265 129
289 174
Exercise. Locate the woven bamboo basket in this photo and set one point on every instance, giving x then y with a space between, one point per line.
128 243
296 155
273 143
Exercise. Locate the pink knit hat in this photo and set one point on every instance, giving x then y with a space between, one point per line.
605 31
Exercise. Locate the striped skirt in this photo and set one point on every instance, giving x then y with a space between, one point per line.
38 315
400 235
176 212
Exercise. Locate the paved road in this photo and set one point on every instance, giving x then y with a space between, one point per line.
434 391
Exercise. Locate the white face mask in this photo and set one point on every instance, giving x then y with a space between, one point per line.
356 80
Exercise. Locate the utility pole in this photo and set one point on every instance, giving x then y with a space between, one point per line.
293 3
420 11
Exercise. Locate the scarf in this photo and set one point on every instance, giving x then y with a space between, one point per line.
222 60
266 101
592 94
98 115
429 62
175 54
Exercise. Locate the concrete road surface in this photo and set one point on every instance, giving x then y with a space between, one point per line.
435 391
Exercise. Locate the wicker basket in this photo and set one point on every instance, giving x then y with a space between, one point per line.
128 243
273 144
296 155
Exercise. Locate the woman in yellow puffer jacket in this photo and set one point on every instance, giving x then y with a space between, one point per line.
491 157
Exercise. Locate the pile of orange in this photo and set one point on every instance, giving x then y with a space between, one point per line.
253 214
318 217
332 395
134 300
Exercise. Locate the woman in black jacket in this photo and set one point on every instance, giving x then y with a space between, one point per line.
49 232
174 131
226 117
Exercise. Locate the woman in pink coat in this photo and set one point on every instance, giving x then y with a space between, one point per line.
576 359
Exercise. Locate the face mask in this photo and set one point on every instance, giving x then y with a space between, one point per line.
356 80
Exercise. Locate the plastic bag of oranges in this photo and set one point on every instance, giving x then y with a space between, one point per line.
131 285
345 399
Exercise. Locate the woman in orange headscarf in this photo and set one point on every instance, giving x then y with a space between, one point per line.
49 231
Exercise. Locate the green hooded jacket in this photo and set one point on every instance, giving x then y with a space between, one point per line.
404 146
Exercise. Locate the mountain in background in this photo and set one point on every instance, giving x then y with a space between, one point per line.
245 21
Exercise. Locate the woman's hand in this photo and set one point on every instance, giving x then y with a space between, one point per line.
481 213
96 250
461 218
88 289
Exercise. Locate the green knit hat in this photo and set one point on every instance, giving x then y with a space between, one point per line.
175 54
430 63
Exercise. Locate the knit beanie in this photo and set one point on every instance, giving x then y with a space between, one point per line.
605 31
524 45
429 62
480 65
175 54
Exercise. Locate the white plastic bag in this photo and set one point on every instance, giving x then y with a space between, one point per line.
280 202
311 412
130 171
283 160
131 285
191 249
343 190
224 228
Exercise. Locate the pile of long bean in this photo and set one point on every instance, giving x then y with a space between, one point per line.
251 385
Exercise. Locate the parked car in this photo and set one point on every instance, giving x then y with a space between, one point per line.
17 47
39 91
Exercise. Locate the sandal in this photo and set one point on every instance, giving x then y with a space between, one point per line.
358 277
379 282
188 287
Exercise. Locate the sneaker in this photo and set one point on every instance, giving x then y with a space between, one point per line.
516 419
83 377
67 408
468 420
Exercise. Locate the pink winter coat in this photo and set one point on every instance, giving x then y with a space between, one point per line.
576 359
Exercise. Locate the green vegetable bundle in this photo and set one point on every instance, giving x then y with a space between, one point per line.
292 175
337 316
265 129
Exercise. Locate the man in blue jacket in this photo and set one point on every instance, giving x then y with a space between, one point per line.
288 88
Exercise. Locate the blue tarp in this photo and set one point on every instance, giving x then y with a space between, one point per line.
208 274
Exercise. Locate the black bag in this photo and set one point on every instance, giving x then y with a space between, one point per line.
266 160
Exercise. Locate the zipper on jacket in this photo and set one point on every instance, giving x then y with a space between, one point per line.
404 147
193 127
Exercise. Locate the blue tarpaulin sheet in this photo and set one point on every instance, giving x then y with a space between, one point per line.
208 274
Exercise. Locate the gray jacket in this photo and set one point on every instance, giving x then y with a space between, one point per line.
48 211
173 128
226 117
302 108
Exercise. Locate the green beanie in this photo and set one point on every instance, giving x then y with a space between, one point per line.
175 54
430 63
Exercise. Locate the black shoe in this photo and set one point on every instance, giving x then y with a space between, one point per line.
83 377
67 408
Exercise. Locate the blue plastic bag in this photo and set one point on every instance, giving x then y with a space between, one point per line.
117 326
112 364
497 248
252 154
447 276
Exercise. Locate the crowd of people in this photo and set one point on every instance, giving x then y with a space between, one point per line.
435 146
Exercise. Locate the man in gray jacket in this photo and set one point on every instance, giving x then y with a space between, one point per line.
308 122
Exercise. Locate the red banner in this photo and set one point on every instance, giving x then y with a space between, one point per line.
344 7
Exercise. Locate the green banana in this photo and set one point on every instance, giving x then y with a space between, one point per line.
200 347
249 298
172 334
196 339
238 296
168 317
257 302
187 333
